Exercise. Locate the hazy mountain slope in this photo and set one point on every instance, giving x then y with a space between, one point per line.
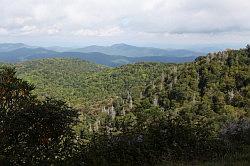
59 49
163 59
133 51
98 58
5 47
25 54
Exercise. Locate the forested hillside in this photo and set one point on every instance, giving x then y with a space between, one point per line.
191 111
84 84
137 114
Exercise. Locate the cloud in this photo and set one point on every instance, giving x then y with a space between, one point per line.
3 31
105 32
145 19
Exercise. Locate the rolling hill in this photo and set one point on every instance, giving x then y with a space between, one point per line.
83 84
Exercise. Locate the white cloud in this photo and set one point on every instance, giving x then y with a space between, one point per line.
105 32
145 19
3 31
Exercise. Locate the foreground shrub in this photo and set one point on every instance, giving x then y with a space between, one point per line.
33 132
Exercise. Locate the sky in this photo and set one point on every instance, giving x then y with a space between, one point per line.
162 23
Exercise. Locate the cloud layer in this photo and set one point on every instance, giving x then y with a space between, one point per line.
150 20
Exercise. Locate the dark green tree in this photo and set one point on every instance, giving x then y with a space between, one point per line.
32 131
248 50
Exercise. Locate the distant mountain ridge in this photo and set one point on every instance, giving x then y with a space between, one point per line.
5 47
19 52
134 51
116 49
25 54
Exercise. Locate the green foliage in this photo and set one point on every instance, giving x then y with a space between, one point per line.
85 85
32 131
181 115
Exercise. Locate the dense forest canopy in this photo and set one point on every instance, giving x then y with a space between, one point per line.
137 114
85 84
